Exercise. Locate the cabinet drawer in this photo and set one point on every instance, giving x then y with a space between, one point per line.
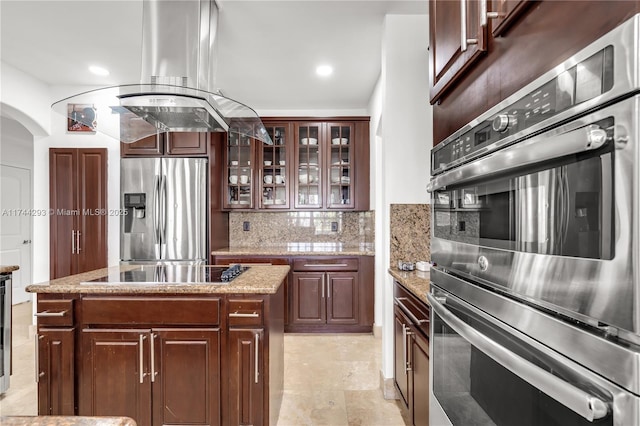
150 310
325 265
245 312
55 312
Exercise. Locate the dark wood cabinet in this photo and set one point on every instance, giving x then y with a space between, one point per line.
411 354
168 143
246 376
457 41
464 85
55 371
78 206
331 294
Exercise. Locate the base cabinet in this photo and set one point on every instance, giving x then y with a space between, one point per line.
55 371
325 298
411 354
246 376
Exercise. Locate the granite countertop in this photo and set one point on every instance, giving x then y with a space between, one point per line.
299 249
259 279
66 421
417 282
8 268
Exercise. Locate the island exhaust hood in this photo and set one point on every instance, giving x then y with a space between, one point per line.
177 76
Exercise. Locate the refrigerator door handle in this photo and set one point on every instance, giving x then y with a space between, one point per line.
163 213
156 214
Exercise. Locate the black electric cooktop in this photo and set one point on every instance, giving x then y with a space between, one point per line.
174 274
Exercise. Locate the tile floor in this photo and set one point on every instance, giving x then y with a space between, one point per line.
329 379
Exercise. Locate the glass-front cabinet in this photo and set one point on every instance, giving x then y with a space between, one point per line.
309 164
340 192
274 165
239 162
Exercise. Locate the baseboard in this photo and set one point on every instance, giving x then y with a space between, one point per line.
388 387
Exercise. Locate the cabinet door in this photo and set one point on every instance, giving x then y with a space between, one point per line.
151 146
246 376
420 379
91 229
309 163
62 198
186 143
342 298
308 298
185 369
457 41
239 161
274 164
114 380
340 166
400 353
55 372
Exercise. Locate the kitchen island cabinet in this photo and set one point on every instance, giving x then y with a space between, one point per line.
197 354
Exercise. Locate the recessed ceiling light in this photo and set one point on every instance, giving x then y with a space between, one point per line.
98 70
324 70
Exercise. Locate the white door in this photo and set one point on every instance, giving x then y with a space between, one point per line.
15 226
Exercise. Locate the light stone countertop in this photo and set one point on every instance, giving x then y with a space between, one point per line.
417 282
66 421
299 249
258 279
8 268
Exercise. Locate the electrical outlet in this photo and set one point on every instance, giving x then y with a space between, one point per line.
246 226
334 226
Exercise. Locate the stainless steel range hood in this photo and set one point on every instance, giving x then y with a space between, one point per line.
176 93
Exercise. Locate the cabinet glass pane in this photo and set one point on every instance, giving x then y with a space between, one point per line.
239 172
309 167
340 166
274 168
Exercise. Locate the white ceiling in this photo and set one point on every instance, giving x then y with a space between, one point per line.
268 50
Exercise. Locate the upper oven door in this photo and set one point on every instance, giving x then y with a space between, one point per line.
552 219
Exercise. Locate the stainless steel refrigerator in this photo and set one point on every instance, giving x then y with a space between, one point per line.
164 203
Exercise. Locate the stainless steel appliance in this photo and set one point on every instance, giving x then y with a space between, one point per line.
5 331
535 237
164 201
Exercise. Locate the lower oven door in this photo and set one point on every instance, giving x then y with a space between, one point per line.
484 372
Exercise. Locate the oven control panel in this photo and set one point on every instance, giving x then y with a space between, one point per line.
582 82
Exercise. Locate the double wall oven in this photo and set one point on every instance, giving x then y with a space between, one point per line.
536 240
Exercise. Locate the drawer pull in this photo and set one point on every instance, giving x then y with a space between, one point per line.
237 314
408 312
325 265
50 314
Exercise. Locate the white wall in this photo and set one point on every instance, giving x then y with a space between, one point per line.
401 139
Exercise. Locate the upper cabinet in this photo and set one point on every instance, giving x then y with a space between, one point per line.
457 41
459 36
169 143
312 165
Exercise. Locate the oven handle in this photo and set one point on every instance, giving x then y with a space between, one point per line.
531 151
584 404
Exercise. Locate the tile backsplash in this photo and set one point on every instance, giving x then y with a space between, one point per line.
278 229
410 232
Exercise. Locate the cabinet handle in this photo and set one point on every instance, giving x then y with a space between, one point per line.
257 337
408 312
153 358
307 265
142 337
50 314
486 15
404 346
37 338
328 286
408 367
78 242
73 241
237 314
322 284
463 25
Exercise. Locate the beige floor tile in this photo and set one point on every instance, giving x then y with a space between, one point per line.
370 409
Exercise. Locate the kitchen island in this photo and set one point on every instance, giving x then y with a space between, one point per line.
162 353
